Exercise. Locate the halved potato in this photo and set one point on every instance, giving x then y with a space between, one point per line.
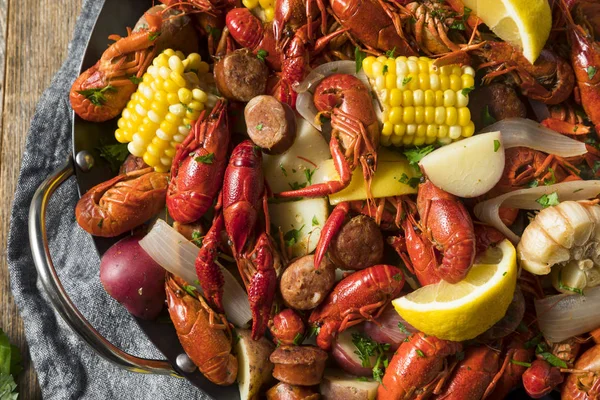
292 168
301 222
392 178
254 366
467 168
338 385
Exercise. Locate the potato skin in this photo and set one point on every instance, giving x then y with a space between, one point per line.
271 124
134 279
260 368
240 75
177 31
284 391
302 286
358 245
299 365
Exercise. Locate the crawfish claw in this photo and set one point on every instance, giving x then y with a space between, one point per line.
262 287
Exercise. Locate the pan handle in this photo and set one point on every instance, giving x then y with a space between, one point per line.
60 300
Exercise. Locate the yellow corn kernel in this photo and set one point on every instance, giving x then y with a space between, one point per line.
430 139
409 115
424 81
421 130
418 97
387 129
464 116
168 128
413 83
455 82
407 140
199 95
169 52
390 63
432 130
439 98
120 136
367 65
434 82
455 132
385 141
468 130
411 129
377 68
380 82
382 59
443 131
185 95
390 81
396 140
178 79
395 97
461 99
429 98
467 81
400 129
419 115
250 3
444 82
196 105
457 70
395 115
440 115
269 14
451 116
161 61
176 65
265 3
172 118
401 67
429 115
413 67
419 141
171 87
449 98
153 150
423 65
407 98
446 70
172 98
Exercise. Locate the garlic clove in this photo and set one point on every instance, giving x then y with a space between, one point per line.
579 219
538 252
557 226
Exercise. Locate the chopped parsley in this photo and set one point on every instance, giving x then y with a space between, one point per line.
496 145
262 54
298 339
385 69
533 183
259 127
415 155
412 182
552 359
403 328
596 166
359 57
548 200
521 363
154 35
420 353
10 367
292 236
295 185
367 348
552 179
197 238
486 117
190 289
281 167
562 286
115 154
135 80
96 96
314 330
100 223
390 53
315 221
205 159
466 91
406 80
533 342
308 173
591 71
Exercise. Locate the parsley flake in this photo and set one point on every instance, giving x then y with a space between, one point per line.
466 91
562 286
420 353
359 57
259 127
591 71
292 236
96 96
496 145
521 363
298 339
548 200
205 159
115 154
486 117
406 80
315 221
390 53
262 54
135 80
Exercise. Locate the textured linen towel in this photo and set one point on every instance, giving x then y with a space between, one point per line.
67 368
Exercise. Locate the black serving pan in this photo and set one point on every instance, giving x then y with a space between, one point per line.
90 169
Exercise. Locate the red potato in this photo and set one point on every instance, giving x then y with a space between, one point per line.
343 353
271 124
132 278
387 328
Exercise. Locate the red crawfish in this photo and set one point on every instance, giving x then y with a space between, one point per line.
205 335
360 296
583 381
122 203
355 135
291 15
541 378
446 227
416 367
287 328
101 92
199 166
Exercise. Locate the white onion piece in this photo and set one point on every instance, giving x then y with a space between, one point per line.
306 108
527 133
487 211
540 109
565 315
177 255
335 67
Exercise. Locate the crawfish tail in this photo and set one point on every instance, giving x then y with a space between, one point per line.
209 273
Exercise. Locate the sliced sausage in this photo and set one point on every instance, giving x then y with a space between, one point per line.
271 124
358 245
302 286
283 391
299 365
240 75
499 100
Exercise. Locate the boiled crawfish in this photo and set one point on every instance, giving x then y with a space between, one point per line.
446 227
122 203
101 92
361 296
416 367
205 335
583 383
199 166
355 136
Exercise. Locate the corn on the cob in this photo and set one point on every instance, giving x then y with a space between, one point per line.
267 7
421 103
159 114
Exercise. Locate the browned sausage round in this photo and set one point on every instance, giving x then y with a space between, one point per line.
240 75
299 365
132 163
497 99
271 124
283 391
358 245
302 286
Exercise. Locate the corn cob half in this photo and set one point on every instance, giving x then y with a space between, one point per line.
159 114
421 103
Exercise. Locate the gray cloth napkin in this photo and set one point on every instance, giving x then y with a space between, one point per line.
66 367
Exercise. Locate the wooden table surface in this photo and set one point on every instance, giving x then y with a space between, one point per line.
34 35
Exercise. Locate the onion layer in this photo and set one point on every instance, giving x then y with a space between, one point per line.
487 211
563 316
527 133
335 67
176 254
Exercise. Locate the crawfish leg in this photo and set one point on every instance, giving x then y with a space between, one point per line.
209 274
332 227
262 287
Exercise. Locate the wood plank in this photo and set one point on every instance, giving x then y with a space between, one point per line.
34 35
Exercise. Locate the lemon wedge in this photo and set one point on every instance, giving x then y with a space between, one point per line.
525 24
466 309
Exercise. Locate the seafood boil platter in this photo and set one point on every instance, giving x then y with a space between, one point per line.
343 199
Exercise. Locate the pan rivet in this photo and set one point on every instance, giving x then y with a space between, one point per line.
84 160
184 362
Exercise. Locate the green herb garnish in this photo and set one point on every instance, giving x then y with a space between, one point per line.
205 159
96 96
292 236
262 54
548 200
486 117
466 91
521 363
591 71
115 154
315 221
496 145
359 57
